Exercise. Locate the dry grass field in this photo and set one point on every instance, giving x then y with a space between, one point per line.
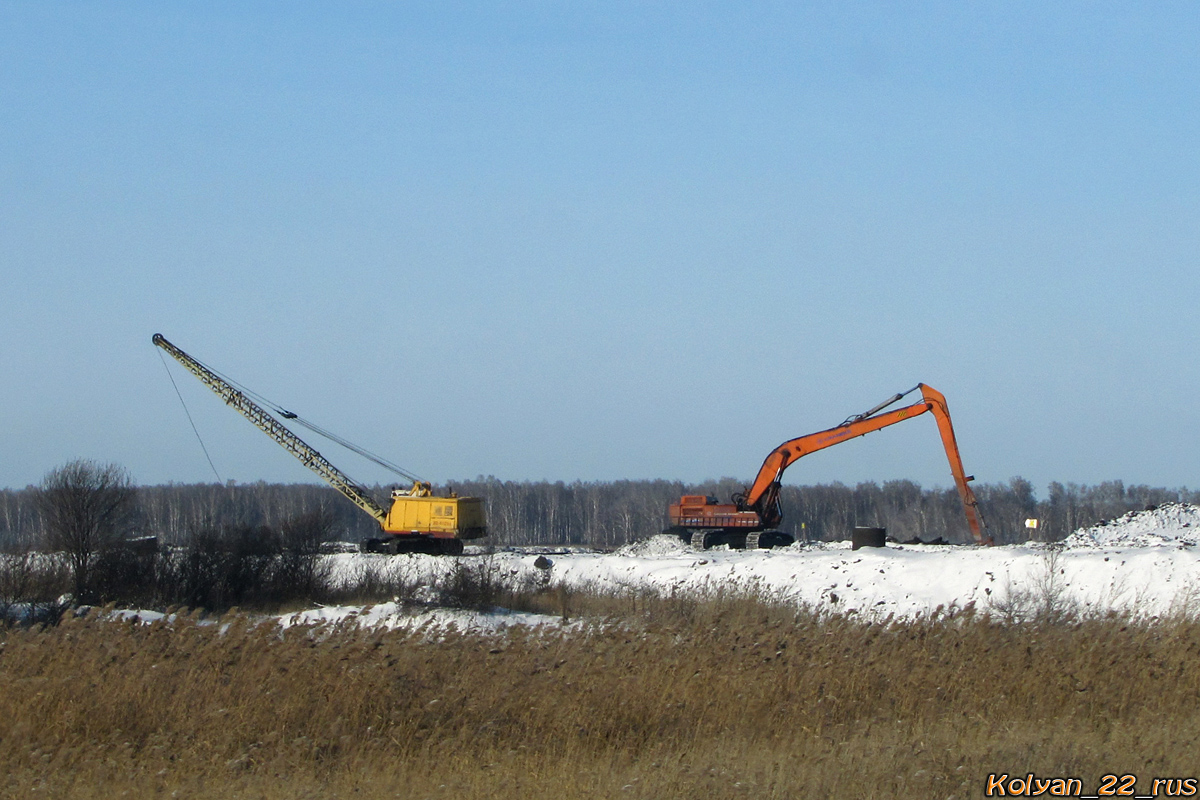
722 697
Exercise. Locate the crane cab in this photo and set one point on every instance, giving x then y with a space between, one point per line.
438 517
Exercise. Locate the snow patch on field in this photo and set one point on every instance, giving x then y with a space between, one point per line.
392 616
389 616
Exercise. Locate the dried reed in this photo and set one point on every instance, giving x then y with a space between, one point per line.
727 696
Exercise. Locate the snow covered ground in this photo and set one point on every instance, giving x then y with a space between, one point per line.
1145 563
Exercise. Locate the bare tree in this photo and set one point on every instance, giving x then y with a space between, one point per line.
305 532
86 508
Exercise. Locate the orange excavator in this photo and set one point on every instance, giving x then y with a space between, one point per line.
747 520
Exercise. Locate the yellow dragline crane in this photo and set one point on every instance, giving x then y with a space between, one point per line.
417 522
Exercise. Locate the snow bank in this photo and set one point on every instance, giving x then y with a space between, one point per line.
1124 568
1169 525
902 580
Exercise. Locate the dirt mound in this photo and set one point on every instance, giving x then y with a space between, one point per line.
1171 524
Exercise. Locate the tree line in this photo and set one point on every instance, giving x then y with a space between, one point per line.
608 514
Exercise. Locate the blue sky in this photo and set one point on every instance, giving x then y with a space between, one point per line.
602 241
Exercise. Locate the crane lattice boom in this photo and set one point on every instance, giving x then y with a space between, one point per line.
307 456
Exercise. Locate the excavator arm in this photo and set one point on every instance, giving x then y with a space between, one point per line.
763 495
273 428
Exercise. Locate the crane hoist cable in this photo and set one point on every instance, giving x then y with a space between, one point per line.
362 451
187 413
293 417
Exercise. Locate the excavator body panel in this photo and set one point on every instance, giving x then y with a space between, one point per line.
697 512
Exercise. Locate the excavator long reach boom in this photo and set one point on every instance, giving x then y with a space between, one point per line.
763 495
273 428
